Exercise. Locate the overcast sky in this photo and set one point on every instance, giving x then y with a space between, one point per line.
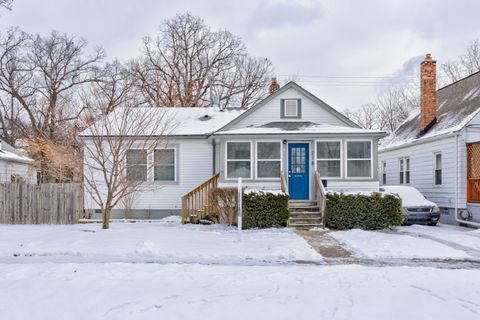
306 38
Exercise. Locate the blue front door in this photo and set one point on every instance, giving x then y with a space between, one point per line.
298 168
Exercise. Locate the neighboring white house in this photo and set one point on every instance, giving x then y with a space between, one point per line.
291 133
15 167
437 150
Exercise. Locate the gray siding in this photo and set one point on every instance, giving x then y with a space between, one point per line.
270 112
422 169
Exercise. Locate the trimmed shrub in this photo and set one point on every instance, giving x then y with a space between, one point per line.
264 210
358 211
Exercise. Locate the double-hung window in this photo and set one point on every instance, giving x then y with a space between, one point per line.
137 165
269 159
404 172
239 160
164 165
359 159
438 169
329 159
384 172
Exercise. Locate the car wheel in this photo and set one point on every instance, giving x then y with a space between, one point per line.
433 224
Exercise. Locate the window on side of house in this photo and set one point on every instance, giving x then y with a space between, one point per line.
404 170
438 169
238 160
384 172
290 108
407 170
137 164
329 159
269 161
164 165
359 159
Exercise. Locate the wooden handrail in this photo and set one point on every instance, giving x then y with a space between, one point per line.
284 184
320 193
196 203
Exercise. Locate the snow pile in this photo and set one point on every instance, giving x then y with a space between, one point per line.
255 191
378 244
163 242
152 291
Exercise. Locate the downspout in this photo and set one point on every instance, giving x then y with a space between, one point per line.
214 157
470 223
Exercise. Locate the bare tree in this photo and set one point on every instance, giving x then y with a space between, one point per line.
466 64
366 117
186 59
117 161
42 75
7 4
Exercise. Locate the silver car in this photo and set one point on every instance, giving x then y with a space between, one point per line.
416 209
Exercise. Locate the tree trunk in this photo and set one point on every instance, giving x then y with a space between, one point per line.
106 218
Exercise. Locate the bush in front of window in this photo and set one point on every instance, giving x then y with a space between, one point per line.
359 211
263 209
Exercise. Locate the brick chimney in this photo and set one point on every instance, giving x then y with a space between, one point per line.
428 93
274 86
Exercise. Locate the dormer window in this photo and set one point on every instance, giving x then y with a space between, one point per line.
291 108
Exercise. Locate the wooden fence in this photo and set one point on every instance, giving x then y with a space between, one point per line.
52 203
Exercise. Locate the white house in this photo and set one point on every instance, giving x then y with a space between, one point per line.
291 133
14 166
437 150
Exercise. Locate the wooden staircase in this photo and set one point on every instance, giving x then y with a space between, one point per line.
304 214
196 203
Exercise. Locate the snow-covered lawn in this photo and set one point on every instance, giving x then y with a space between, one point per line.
191 291
165 241
464 237
399 245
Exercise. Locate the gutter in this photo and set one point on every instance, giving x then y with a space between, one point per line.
470 223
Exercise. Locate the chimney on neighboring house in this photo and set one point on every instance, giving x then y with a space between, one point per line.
274 86
428 93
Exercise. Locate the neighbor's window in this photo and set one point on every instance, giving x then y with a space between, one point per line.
359 159
164 165
384 172
438 168
329 159
404 172
239 160
290 108
137 164
269 159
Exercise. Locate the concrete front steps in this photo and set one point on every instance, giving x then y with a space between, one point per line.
304 215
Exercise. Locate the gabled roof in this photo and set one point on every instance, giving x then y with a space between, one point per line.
298 127
457 104
305 92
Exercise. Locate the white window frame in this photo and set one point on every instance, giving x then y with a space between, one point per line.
257 159
285 108
341 158
346 159
404 172
174 166
435 169
226 159
147 177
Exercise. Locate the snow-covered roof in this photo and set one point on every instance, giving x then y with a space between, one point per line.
298 128
179 121
8 153
457 104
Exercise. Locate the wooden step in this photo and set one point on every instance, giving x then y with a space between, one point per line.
304 214
304 209
305 226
